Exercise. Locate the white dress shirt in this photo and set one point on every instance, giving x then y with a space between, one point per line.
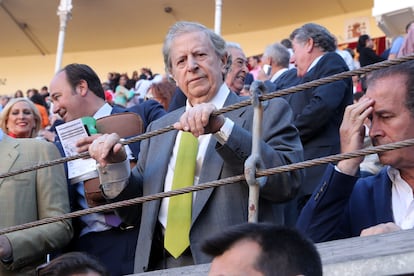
203 141
278 74
115 176
402 200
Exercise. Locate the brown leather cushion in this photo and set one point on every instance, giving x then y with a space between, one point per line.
125 125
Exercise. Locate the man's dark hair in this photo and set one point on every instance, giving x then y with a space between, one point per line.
72 263
362 42
284 251
286 42
405 69
407 27
76 72
321 37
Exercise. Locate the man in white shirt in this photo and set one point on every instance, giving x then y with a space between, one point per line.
346 206
196 58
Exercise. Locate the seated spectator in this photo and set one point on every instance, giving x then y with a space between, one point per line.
344 205
277 57
407 48
18 94
162 92
28 197
367 55
20 118
122 94
3 101
30 92
73 264
397 42
237 71
41 106
254 65
262 249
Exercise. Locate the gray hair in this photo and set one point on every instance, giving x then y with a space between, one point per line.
184 27
278 53
319 34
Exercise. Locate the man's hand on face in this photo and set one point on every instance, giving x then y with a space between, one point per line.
352 132
198 120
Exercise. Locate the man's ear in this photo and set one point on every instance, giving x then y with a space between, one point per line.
309 45
82 88
226 63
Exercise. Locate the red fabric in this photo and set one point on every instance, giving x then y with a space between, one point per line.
12 135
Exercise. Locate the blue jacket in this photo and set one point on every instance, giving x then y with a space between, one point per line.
342 205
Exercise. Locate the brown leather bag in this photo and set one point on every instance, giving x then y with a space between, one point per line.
125 124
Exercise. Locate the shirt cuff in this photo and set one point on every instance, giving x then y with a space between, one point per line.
224 133
114 178
337 169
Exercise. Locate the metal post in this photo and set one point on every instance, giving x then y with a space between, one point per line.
254 161
65 13
217 19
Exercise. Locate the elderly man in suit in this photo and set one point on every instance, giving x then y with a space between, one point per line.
346 206
237 72
76 92
28 197
196 58
277 57
318 111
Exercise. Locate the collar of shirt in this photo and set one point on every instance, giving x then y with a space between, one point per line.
278 74
402 200
1 134
218 100
314 62
105 110
203 141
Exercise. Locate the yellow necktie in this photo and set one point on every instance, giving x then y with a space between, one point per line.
177 231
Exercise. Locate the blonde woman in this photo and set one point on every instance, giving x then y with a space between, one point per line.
20 118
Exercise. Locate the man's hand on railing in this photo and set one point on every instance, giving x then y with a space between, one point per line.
380 229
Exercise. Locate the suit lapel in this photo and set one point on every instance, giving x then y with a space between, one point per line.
213 163
8 149
382 199
162 154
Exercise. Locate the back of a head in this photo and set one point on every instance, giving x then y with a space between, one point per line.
278 53
321 37
72 263
284 251
286 42
76 72
362 41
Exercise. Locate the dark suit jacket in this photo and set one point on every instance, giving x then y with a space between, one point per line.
288 79
149 111
342 206
318 114
215 209
178 100
368 56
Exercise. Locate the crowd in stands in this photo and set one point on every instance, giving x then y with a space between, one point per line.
206 73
